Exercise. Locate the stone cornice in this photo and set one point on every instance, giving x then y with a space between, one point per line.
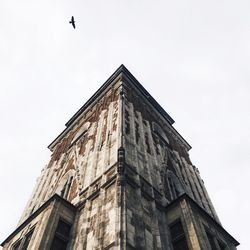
123 74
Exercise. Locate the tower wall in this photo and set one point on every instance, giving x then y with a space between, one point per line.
158 171
120 178
82 153
159 154
97 221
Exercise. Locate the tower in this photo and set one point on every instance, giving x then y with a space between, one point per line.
120 177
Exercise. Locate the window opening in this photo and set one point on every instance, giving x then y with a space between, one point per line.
147 143
171 188
61 237
221 245
127 124
16 245
66 188
211 241
178 236
137 134
27 240
77 138
174 185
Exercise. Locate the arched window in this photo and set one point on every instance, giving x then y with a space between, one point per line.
66 187
63 187
174 185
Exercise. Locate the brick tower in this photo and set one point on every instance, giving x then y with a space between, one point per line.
120 177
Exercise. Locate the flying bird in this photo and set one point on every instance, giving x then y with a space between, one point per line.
73 22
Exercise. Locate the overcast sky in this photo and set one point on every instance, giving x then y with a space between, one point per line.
191 55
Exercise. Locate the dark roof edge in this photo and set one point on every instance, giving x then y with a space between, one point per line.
97 93
148 96
118 73
38 211
90 100
186 196
155 105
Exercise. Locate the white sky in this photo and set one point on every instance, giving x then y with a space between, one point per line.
192 56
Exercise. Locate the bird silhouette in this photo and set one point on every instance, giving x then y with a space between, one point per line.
73 22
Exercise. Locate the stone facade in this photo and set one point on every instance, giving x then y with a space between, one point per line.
119 176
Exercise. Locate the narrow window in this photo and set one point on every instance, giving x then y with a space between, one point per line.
127 124
178 236
211 241
16 245
77 137
27 240
137 134
173 188
147 143
66 188
61 237
63 190
221 245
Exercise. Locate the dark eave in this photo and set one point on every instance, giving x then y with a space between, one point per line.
121 70
154 103
121 73
96 94
108 82
146 94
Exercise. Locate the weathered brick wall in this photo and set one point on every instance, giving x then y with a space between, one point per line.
97 223
84 152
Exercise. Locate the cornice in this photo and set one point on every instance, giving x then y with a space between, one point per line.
124 75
